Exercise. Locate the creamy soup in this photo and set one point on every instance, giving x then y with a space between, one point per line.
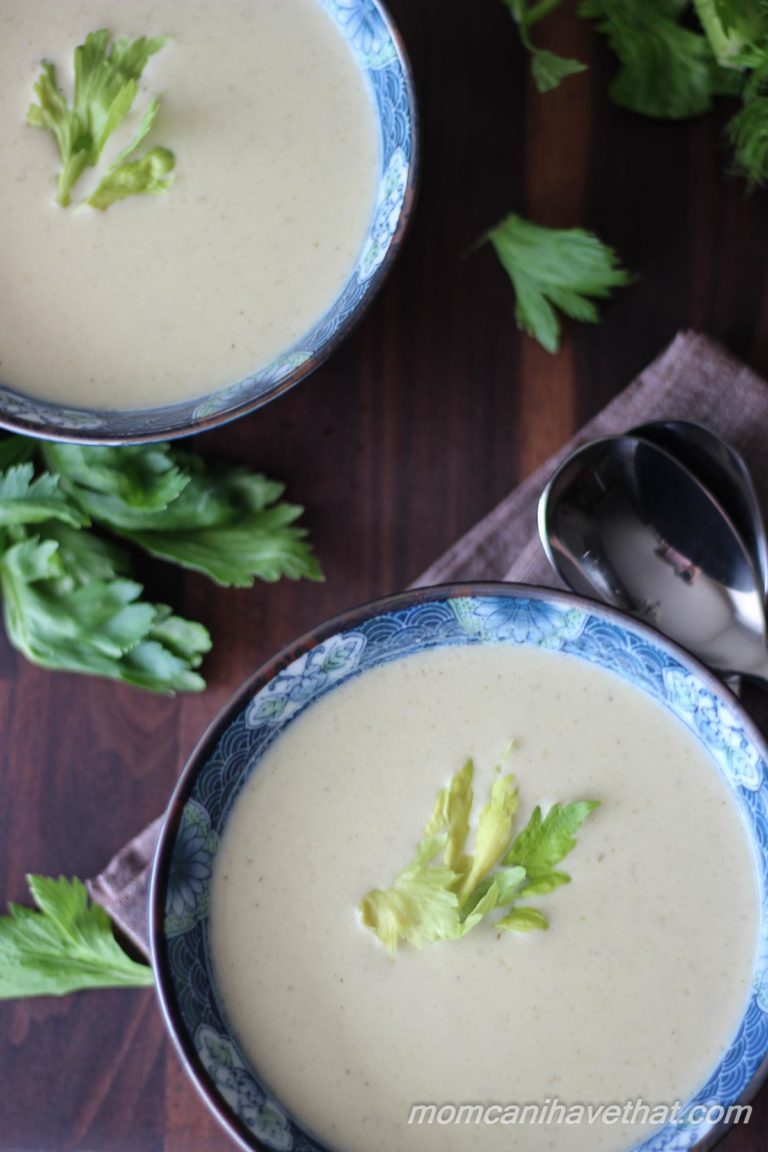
634 991
166 297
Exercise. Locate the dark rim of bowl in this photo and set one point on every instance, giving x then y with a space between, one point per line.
309 640
51 431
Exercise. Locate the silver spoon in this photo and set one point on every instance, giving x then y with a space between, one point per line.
722 470
625 521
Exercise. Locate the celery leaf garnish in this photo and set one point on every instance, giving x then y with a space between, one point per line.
420 907
443 899
542 844
494 829
523 920
449 822
150 175
106 84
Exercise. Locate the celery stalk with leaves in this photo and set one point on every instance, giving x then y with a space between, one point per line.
69 599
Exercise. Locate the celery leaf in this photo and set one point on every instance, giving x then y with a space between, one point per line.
522 920
420 907
226 522
748 130
70 604
450 818
551 268
543 843
737 31
494 832
141 478
63 946
430 902
107 79
666 68
547 69
25 500
150 175
265 545
68 596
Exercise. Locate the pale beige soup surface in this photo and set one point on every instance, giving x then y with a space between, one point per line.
634 991
166 297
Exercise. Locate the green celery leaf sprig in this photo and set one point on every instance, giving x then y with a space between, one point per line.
748 130
69 603
445 892
64 945
554 269
69 600
737 31
675 58
666 69
669 68
226 522
107 79
547 68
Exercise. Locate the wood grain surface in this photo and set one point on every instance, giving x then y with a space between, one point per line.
432 410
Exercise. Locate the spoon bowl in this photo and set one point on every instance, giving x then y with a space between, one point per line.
625 521
723 471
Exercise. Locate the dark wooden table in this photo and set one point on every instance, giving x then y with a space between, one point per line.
429 414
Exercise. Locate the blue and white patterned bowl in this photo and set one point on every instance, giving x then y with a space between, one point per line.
344 648
379 51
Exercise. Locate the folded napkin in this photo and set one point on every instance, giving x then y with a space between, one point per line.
694 379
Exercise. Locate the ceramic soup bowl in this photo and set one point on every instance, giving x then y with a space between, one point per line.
379 52
476 616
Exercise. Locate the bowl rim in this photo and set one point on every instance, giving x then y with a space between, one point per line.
266 672
47 430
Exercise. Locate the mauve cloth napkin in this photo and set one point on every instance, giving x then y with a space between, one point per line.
694 379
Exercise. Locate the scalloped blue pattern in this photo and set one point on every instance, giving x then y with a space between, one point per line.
370 37
542 622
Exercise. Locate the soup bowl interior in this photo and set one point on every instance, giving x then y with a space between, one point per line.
379 52
345 648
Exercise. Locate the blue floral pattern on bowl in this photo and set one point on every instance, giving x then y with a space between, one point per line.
317 665
262 1116
319 670
190 877
379 53
365 29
